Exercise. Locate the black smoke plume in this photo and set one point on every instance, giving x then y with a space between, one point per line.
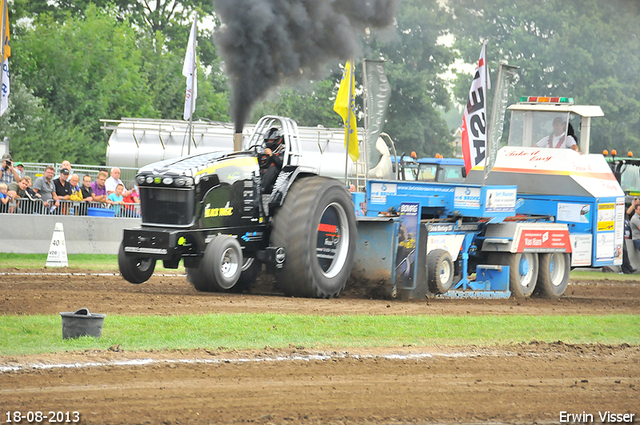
265 42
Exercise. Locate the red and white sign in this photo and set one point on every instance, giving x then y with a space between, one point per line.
544 241
474 120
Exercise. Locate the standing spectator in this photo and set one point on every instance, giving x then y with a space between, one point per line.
4 198
76 195
98 188
66 165
20 170
62 190
635 226
133 198
113 181
8 174
44 187
85 188
116 200
17 191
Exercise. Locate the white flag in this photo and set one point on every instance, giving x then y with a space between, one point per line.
6 89
190 71
474 120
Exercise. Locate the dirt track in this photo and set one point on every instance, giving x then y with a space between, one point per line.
513 384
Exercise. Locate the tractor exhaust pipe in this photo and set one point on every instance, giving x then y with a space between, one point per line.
237 142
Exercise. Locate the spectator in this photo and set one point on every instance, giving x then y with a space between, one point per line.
133 198
98 188
45 188
116 200
635 226
17 191
4 198
85 188
76 195
20 170
66 165
113 181
8 173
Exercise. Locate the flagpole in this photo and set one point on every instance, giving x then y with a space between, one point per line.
367 123
3 30
348 125
193 71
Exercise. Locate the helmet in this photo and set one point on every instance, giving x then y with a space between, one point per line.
272 134
272 137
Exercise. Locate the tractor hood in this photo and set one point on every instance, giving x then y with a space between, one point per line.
229 167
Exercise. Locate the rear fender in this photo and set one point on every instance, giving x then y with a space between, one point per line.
287 176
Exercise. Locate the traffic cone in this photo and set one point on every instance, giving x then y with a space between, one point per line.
58 249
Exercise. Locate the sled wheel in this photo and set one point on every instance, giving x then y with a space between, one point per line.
554 274
439 271
317 228
135 269
523 271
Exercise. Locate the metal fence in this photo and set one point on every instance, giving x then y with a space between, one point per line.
71 208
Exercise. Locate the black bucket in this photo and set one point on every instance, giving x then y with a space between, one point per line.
82 323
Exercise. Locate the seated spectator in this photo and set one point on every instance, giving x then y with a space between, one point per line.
44 187
98 189
62 189
113 181
4 198
17 191
116 200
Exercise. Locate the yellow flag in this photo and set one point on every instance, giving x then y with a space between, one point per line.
344 107
5 37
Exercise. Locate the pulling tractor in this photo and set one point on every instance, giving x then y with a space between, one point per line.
514 231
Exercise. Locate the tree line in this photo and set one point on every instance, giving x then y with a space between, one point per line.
76 62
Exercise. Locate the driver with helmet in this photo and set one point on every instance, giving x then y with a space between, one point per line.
271 160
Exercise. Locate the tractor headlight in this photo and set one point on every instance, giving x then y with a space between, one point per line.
167 180
149 179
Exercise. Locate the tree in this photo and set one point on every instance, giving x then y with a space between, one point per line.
82 71
585 49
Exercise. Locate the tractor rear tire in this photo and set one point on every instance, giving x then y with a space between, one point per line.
554 275
440 271
135 269
316 226
523 271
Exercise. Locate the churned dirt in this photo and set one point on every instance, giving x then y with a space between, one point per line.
524 383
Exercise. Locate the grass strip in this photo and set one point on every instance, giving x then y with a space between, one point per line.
43 334
98 262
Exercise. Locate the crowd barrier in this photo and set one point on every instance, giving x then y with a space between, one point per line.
71 208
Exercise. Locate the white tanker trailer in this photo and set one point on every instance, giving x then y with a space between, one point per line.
137 142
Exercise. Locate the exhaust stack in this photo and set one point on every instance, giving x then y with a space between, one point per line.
237 142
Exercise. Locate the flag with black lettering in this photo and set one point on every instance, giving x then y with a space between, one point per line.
474 120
